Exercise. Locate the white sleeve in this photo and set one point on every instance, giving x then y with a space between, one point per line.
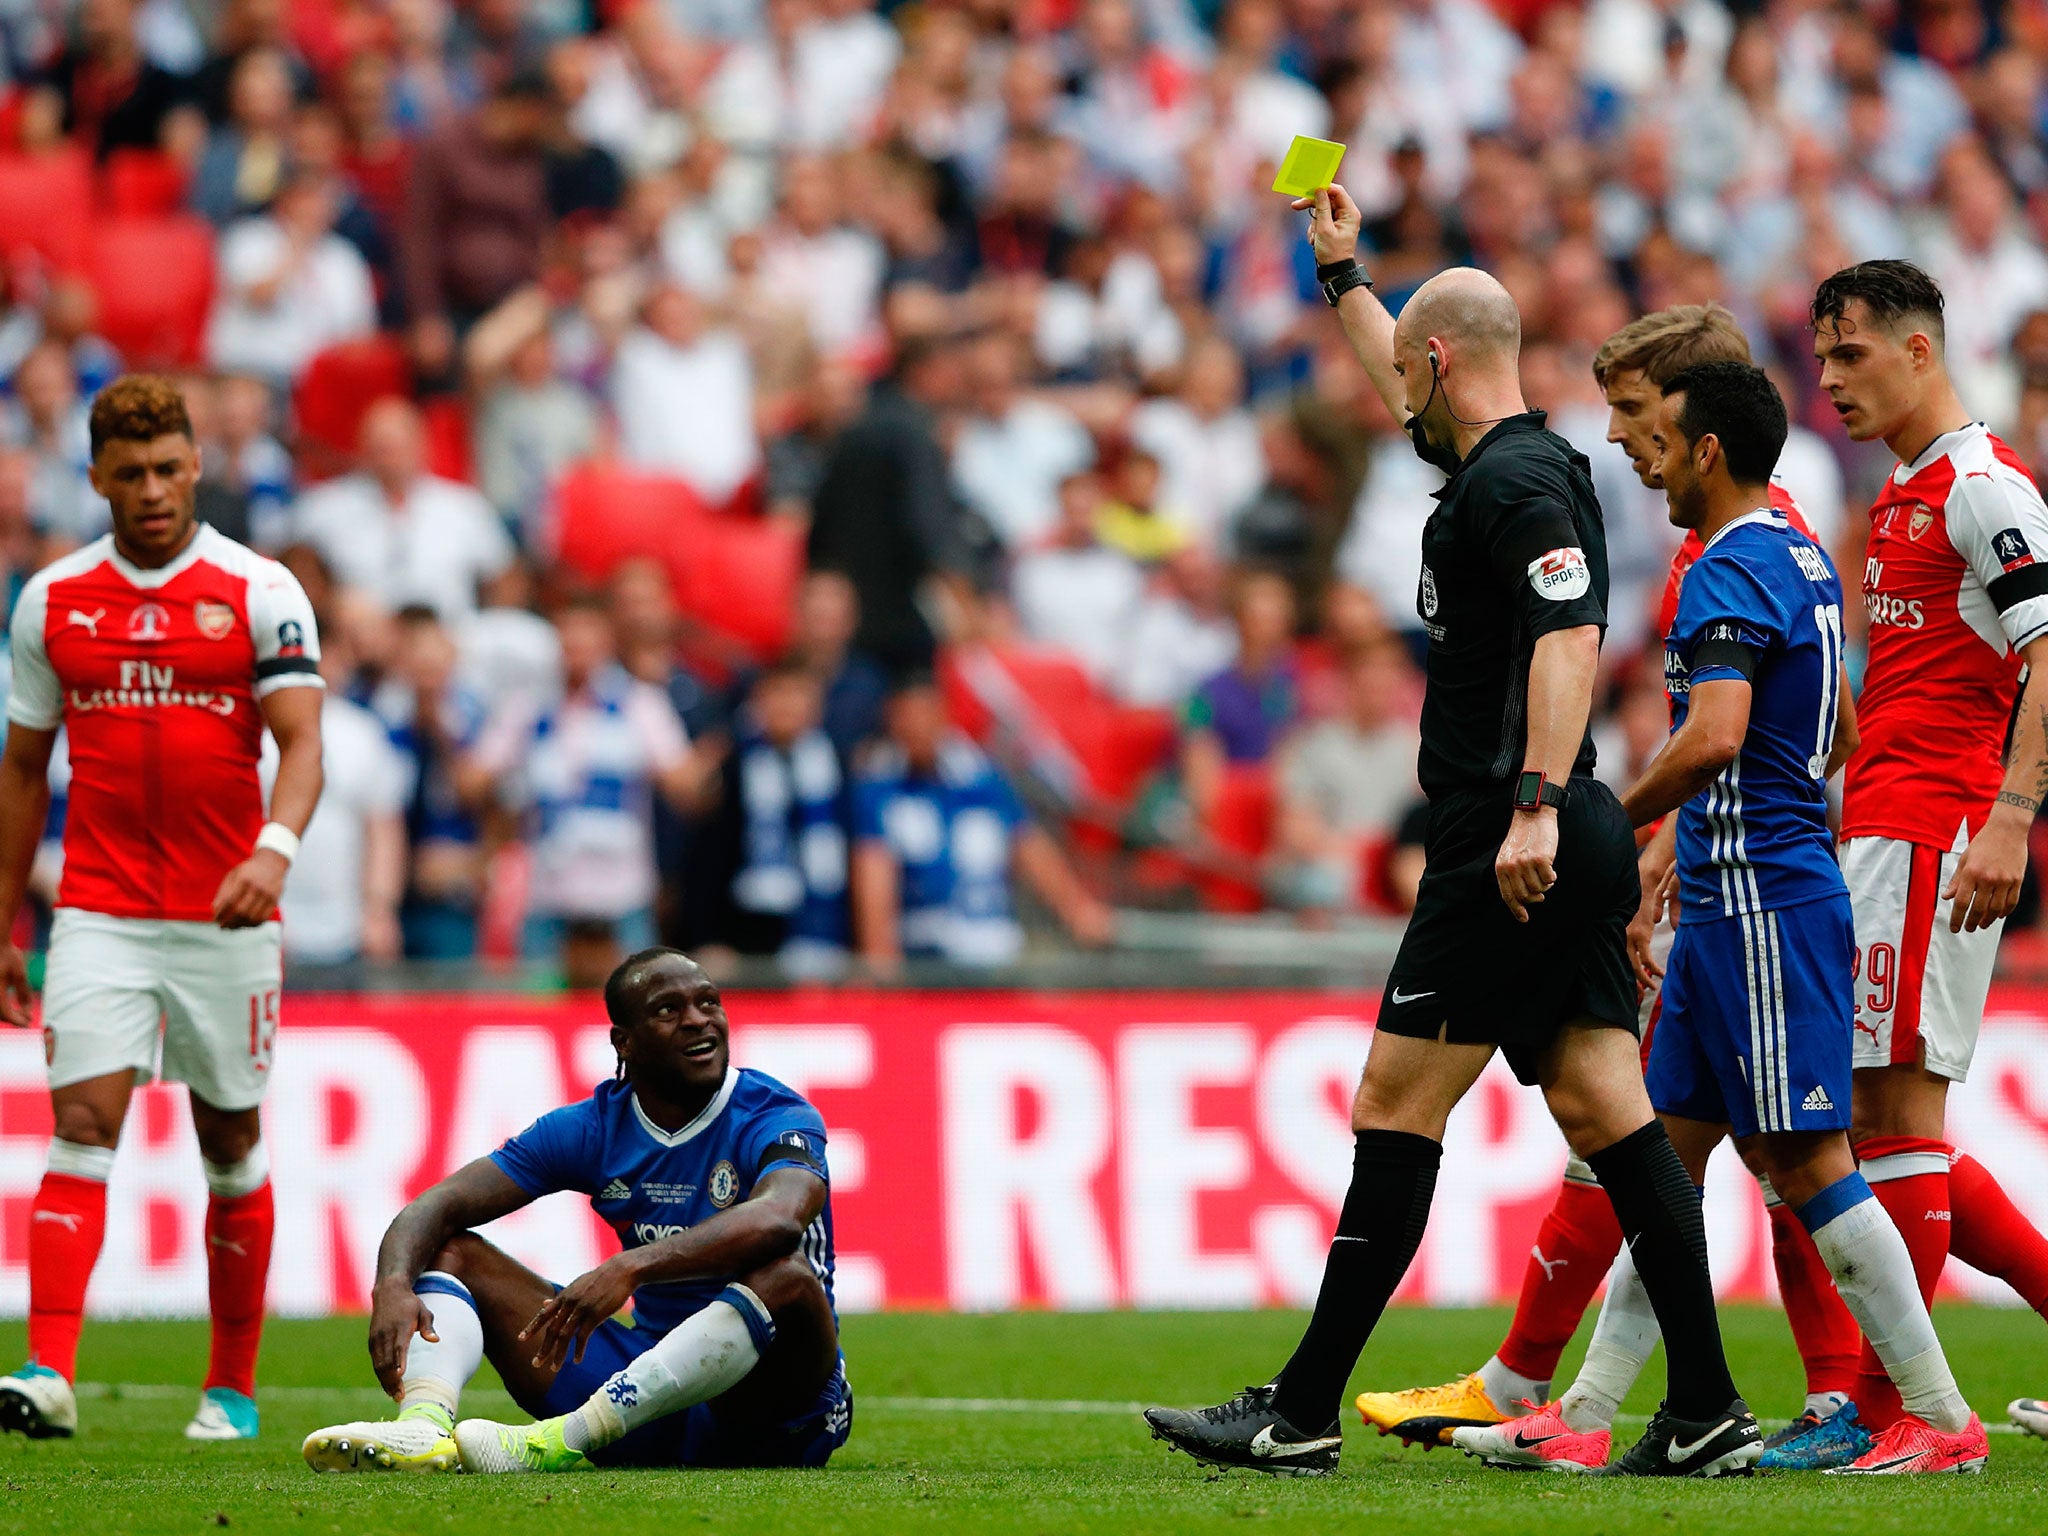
661 729
37 698
387 785
494 551
1998 524
281 624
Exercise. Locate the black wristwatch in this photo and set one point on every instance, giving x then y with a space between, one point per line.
1340 277
1533 791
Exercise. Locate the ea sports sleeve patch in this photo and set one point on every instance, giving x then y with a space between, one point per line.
1559 575
1538 555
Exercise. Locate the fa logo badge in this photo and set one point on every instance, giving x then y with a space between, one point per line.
723 1185
1428 593
214 619
2011 549
150 621
291 639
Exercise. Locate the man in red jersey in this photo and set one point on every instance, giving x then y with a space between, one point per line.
1937 806
1579 1237
163 649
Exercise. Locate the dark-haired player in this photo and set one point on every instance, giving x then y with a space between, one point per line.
714 1178
163 649
1937 805
1754 1038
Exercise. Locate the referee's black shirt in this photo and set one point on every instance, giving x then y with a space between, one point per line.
1514 550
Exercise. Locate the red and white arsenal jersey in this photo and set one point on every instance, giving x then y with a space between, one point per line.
1689 551
1954 586
155 676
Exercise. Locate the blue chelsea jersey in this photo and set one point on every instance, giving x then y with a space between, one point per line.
1762 601
953 831
649 1184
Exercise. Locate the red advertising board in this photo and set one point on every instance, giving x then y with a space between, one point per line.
988 1150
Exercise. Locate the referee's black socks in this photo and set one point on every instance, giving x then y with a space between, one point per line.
1658 1207
1393 1178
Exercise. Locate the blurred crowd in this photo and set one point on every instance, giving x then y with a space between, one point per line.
986 307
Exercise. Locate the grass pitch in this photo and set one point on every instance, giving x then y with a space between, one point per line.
1001 1424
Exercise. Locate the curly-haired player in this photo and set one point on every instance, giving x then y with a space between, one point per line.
163 650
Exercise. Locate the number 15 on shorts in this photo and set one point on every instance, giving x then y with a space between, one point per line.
262 1028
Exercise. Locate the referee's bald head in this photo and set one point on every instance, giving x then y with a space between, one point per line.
1469 311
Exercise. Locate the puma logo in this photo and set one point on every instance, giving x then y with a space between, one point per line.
226 1246
89 622
1868 1029
1550 1266
68 1220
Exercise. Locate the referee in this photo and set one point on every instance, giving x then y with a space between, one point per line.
1518 942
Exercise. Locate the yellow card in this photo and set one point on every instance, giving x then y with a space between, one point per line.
1310 166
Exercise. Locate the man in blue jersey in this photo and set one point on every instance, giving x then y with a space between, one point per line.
714 1178
1757 1022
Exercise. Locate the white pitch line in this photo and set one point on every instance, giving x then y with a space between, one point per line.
1104 1407
997 1404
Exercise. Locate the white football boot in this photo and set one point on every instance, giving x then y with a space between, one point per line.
420 1439
37 1402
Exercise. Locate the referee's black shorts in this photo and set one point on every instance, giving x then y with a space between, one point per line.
1467 972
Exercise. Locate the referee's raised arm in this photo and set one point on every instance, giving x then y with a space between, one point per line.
1333 233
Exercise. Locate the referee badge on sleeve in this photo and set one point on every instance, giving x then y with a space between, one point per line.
1560 575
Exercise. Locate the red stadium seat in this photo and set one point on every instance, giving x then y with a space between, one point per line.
447 424
738 576
1135 743
604 514
46 206
335 391
154 279
1240 822
1082 742
142 183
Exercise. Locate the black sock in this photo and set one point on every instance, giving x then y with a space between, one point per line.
1393 1176
1658 1206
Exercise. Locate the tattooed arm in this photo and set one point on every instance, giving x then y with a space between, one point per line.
1986 884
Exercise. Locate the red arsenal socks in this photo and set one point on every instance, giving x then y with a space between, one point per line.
1574 1247
1990 1234
66 1225
240 1218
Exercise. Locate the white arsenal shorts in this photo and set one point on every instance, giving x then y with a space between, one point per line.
189 1002
1920 990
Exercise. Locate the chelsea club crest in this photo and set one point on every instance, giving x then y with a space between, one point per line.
723 1185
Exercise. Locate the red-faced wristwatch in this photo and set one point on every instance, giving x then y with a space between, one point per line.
1533 791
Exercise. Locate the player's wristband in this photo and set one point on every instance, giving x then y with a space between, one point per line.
279 839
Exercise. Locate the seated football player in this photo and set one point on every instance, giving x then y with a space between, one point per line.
714 1178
